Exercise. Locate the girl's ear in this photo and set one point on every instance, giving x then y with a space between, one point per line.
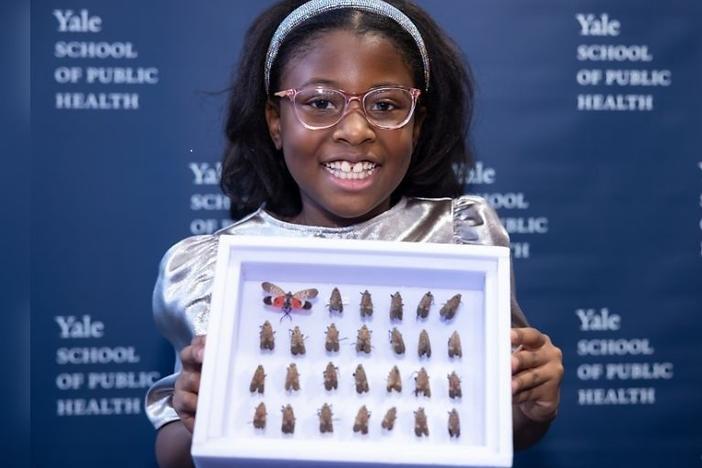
419 115
273 121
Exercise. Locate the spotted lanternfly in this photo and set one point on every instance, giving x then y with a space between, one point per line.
394 380
421 381
287 301
454 345
424 305
292 378
366 304
297 341
454 383
424 348
396 306
331 342
267 338
448 310
363 341
288 426
330 377
420 423
361 422
325 419
259 419
454 424
335 304
396 341
389 419
258 379
361 379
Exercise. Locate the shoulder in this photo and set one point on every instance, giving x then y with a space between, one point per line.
476 222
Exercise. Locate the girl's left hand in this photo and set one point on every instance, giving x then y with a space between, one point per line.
537 371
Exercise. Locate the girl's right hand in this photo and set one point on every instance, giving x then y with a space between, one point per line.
187 384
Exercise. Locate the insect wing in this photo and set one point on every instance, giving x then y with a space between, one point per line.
272 289
305 294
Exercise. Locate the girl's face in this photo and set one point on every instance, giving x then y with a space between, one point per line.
353 63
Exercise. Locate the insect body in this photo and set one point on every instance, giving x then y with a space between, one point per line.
420 423
287 301
266 335
396 306
454 424
288 426
361 379
398 344
258 380
422 383
297 341
259 419
424 305
330 377
389 419
454 383
424 348
363 343
292 378
361 422
325 419
331 342
366 304
448 310
335 303
394 380
454 345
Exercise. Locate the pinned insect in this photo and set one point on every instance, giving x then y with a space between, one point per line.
363 341
361 422
366 304
398 344
424 347
454 345
325 419
287 301
448 310
424 304
288 426
421 381
335 304
420 423
297 341
267 338
330 378
454 383
259 419
361 379
389 419
258 380
292 378
394 380
396 306
331 342
454 424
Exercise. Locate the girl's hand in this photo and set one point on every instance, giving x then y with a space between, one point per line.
187 384
537 371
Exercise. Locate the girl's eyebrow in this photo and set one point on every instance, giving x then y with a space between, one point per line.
334 84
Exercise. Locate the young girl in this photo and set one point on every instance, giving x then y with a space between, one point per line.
347 119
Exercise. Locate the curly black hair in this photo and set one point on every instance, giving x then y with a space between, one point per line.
254 171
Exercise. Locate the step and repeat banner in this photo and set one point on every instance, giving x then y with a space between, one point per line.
589 140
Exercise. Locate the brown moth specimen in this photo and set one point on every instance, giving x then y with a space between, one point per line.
424 304
454 383
257 380
454 345
396 306
424 348
288 426
330 377
363 343
389 419
394 380
335 304
421 381
331 342
398 344
266 334
366 304
292 379
361 422
361 379
259 419
448 310
297 341
420 423
454 424
325 419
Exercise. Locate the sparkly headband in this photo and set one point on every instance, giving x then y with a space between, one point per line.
317 7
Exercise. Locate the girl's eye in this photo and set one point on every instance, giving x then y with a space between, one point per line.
383 106
320 104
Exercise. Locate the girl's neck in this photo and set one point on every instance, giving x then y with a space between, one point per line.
314 215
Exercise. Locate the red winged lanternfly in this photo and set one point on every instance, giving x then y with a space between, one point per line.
287 301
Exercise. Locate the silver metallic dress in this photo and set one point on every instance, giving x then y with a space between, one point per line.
181 300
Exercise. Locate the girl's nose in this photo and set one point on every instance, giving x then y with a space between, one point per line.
354 128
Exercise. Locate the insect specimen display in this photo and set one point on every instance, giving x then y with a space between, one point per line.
389 419
424 305
361 422
335 304
331 340
454 424
258 380
361 379
287 301
325 419
398 344
421 381
454 345
448 310
363 341
297 341
454 384
259 419
396 306
292 378
420 423
267 336
366 304
288 425
394 380
330 377
424 347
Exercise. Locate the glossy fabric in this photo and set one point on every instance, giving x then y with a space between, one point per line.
181 297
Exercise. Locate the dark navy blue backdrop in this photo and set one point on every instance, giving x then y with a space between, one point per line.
588 134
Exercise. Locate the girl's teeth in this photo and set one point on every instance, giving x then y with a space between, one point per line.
345 166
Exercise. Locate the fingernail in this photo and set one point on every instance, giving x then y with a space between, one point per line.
200 354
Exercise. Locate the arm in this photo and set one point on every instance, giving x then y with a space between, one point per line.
173 446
